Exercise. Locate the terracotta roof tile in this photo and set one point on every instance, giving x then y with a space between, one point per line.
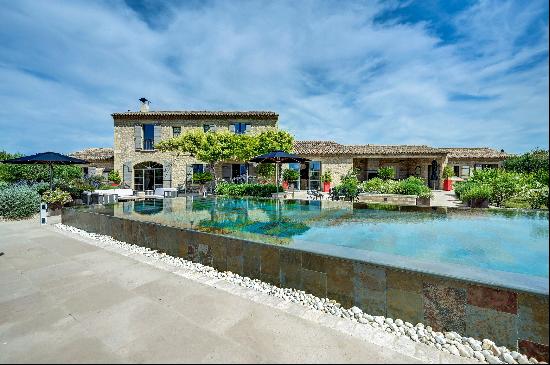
333 148
94 154
196 114
477 152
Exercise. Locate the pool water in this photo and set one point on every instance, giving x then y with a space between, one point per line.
506 241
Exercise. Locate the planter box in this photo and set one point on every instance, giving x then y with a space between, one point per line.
447 185
478 203
423 202
53 212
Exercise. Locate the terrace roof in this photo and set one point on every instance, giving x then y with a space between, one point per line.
324 148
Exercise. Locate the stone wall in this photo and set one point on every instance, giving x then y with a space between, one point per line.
125 151
512 318
394 199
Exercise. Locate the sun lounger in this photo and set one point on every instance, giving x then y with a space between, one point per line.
161 193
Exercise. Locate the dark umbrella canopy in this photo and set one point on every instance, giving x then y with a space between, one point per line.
278 157
47 158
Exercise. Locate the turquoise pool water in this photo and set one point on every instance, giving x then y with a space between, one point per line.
505 241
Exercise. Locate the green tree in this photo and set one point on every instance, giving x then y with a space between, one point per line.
215 147
530 162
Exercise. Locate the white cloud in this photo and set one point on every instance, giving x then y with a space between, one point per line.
331 72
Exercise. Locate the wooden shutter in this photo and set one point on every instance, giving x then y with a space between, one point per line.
167 174
156 134
232 128
247 128
138 136
127 174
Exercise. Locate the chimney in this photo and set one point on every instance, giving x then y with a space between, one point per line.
144 105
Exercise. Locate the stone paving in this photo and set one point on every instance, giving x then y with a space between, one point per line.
65 300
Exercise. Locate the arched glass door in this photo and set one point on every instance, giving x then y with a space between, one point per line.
147 176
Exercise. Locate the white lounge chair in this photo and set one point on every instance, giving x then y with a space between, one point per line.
161 193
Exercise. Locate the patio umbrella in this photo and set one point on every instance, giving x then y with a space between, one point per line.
278 157
46 158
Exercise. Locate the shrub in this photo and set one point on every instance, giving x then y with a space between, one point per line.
202 177
240 190
114 176
535 195
477 191
265 170
56 198
31 173
503 185
75 187
4 185
529 162
349 186
386 173
413 186
290 175
379 186
18 201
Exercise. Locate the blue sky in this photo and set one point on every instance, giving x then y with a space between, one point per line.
443 73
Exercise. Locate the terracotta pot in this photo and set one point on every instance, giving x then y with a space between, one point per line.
447 185
326 186
285 185
479 203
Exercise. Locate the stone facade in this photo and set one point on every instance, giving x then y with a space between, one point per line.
407 160
126 155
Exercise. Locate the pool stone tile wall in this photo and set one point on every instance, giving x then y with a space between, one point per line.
513 319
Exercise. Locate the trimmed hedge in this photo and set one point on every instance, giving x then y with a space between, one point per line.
239 190
18 201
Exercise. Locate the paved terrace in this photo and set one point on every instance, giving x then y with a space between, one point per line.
64 300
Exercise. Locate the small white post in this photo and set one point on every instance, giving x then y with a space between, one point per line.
43 213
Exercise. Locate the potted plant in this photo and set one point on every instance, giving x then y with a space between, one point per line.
289 175
447 182
114 178
423 199
477 196
56 199
326 177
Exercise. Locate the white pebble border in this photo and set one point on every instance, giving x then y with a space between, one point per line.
448 342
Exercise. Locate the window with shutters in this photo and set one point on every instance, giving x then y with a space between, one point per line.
148 137
240 128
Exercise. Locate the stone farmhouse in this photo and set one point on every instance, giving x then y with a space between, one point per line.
144 168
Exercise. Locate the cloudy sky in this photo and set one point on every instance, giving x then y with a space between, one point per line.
444 73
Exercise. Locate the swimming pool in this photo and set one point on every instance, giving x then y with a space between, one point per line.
493 240
482 273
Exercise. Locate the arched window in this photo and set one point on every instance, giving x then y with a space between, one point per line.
147 176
